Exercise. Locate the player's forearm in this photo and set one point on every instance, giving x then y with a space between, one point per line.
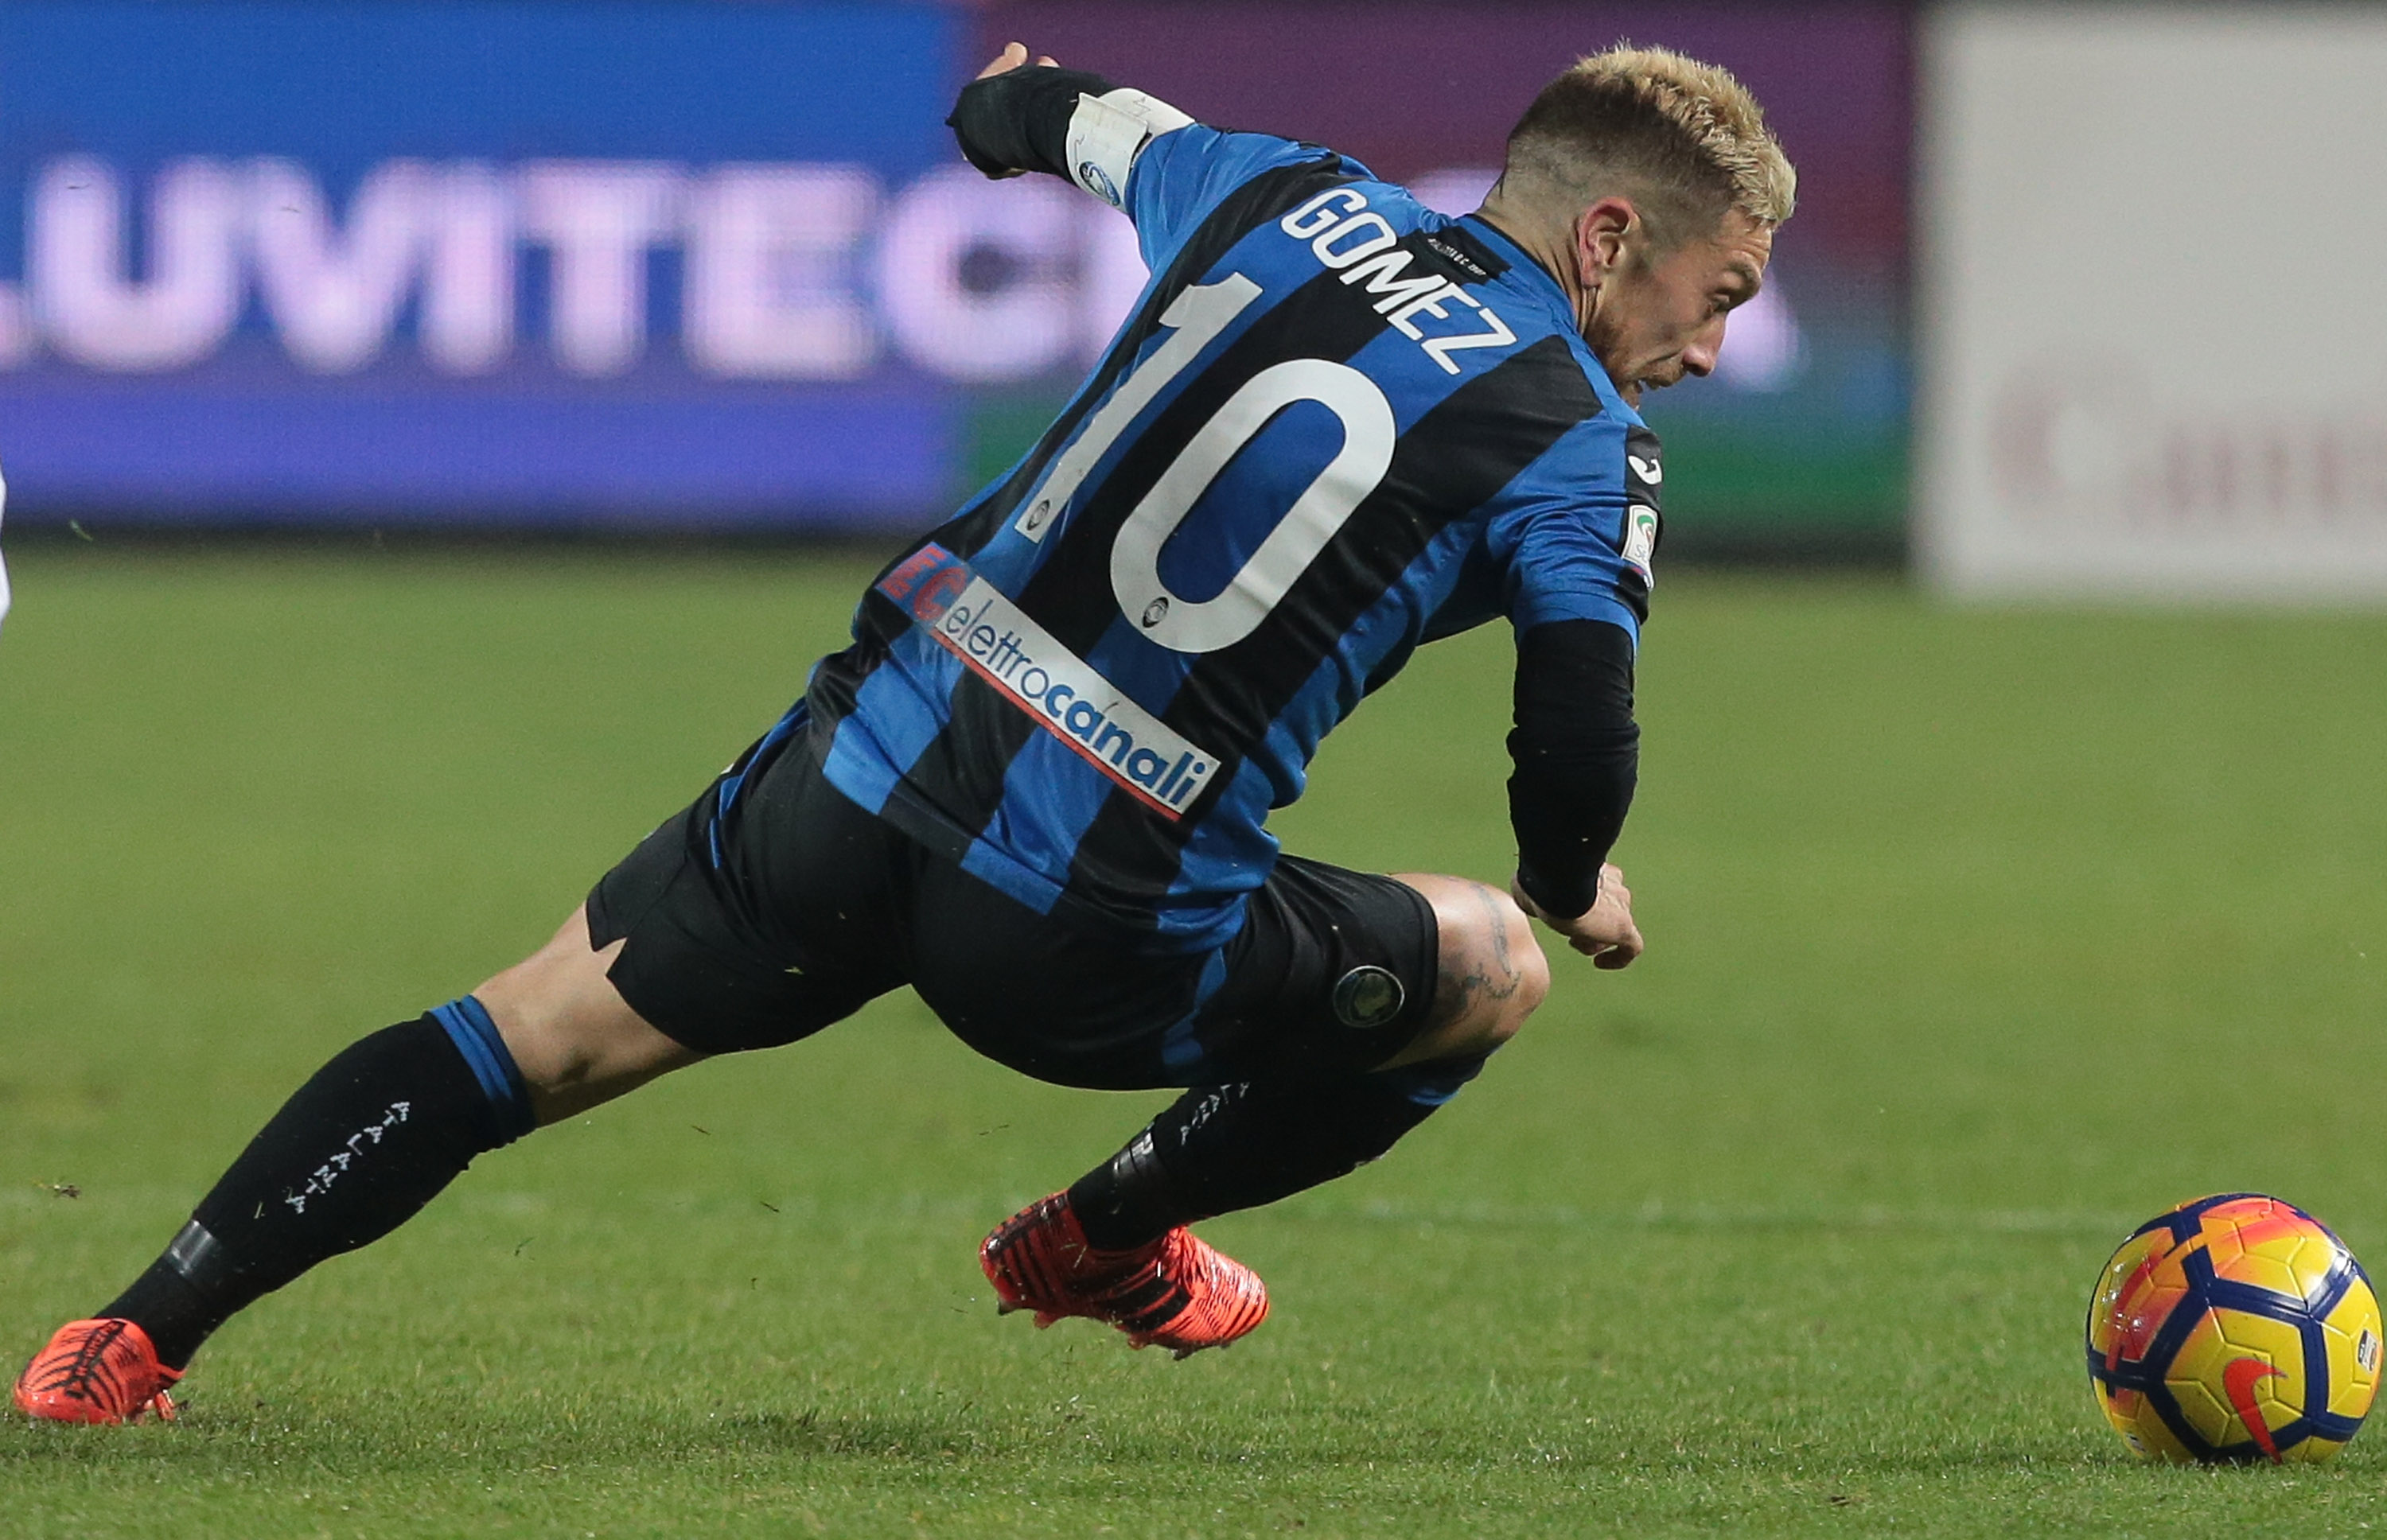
1577 754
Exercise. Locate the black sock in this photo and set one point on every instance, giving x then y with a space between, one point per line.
356 1152
1220 1148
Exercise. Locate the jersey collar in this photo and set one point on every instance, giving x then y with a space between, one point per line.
1536 276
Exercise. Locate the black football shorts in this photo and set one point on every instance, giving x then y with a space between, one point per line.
764 925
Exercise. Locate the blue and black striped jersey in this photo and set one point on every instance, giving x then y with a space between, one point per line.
1338 424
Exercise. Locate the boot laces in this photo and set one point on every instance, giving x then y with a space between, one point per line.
88 1376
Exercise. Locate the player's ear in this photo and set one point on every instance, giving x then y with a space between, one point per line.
1601 235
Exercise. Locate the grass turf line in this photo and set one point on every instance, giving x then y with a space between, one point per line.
1977 937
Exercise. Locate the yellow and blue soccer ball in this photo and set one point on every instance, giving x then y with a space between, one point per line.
2234 1328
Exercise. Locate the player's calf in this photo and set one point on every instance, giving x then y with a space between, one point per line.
358 1149
374 1135
1227 1147
1217 1150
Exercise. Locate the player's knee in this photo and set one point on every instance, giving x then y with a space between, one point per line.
1493 974
1517 956
571 1035
1535 967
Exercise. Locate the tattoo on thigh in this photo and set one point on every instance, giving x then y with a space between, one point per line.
1492 976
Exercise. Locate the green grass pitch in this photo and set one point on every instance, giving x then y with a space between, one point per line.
1974 939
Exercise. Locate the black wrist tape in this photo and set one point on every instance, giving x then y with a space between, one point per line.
1019 120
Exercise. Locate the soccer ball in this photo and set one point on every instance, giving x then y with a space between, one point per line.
2234 1328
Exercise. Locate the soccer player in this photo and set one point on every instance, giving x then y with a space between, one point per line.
1035 788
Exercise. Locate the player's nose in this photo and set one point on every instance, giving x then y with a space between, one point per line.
1699 357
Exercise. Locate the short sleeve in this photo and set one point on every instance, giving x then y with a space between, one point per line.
1576 540
1184 175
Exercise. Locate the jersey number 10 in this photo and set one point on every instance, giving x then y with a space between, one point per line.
1195 317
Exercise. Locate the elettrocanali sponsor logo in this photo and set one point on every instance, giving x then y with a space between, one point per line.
978 624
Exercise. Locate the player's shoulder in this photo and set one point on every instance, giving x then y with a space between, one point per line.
1607 459
1203 161
1617 432
1210 187
1236 146
1606 462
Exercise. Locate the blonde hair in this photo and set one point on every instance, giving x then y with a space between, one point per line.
1685 140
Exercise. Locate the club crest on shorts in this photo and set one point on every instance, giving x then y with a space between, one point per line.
1367 996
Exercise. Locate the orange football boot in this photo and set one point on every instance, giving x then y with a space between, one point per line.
97 1372
1178 1291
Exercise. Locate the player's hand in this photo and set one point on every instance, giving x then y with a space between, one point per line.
1605 932
1014 56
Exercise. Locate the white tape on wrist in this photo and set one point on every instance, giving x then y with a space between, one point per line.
1107 131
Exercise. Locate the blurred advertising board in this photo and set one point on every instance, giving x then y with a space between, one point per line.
2154 348
702 264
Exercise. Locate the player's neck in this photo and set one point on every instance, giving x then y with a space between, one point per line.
1552 251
